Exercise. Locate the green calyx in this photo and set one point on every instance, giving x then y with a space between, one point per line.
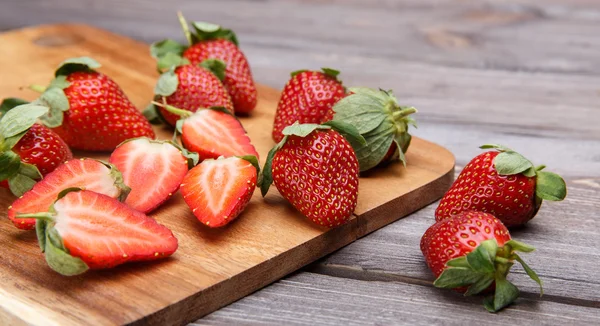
253 160
302 130
76 64
485 265
51 243
116 175
380 120
216 66
333 73
549 185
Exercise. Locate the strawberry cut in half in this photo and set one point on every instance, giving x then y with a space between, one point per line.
218 190
90 174
153 170
212 133
86 230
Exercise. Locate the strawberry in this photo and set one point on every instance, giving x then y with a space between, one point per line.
308 97
77 173
218 190
212 42
381 121
88 110
314 167
504 183
473 252
152 169
212 132
189 87
28 150
86 230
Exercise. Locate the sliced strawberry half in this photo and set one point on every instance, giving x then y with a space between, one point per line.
218 190
87 230
152 169
77 173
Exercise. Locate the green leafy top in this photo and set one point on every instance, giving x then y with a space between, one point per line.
549 186
76 64
485 265
303 130
327 71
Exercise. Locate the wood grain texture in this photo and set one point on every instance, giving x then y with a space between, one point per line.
211 267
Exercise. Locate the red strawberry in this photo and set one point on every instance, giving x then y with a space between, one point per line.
308 97
152 169
212 42
504 183
87 230
473 252
218 190
315 169
212 133
88 109
381 121
28 150
78 173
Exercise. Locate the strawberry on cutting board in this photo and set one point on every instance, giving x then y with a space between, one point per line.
472 252
153 170
88 110
88 174
314 167
28 150
86 230
504 183
308 97
218 190
210 42
381 121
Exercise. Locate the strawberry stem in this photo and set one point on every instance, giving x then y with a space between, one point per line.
180 112
44 216
185 27
37 88
404 113
540 167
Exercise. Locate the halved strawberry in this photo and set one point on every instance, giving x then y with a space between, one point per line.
80 173
86 230
153 169
218 190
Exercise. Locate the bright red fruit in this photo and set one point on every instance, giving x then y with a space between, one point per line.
473 252
503 183
152 169
308 97
218 190
87 230
77 173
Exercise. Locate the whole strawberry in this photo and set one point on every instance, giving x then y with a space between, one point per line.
315 169
28 150
212 42
473 252
381 121
189 87
308 97
88 110
504 183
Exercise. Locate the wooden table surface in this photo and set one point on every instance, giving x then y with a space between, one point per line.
524 73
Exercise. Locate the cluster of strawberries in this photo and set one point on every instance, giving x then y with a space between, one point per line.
469 248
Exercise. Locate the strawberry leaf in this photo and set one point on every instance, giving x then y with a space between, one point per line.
266 177
124 190
60 261
294 73
9 164
167 83
170 61
302 130
209 31
458 262
500 148
161 48
151 114
60 82
506 293
550 186
519 246
531 273
253 160
480 285
20 184
76 64
509 163
378 143
331 72
10 103
56 101
482 258
454 277
40 231
347 130
364 111
20 119
216 66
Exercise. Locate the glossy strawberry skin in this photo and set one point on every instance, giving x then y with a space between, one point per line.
197 88
479 187
100 115
238 77
318 174
308 97
459 235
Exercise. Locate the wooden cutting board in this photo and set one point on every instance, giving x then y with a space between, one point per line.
212 268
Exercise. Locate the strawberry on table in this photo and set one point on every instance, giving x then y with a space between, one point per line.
88 110
28 150
473 252
315 169
86 230
89 174
210 42
308 97
504 183
381 121
218 190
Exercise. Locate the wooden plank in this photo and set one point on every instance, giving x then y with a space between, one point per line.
212 267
